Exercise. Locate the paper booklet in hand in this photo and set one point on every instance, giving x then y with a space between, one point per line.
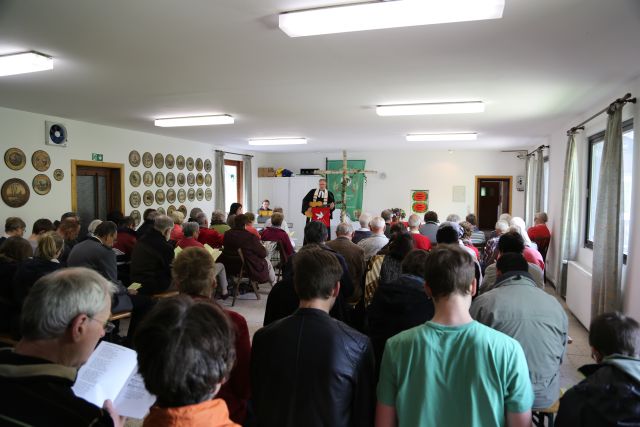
112 373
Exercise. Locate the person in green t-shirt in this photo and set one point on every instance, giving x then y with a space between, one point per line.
452 370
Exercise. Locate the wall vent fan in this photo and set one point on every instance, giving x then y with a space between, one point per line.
55 134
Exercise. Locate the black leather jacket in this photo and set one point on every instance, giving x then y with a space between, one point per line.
608 397
309 369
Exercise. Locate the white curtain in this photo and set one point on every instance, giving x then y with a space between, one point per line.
534 191
570 220
246 173
606 294
218 188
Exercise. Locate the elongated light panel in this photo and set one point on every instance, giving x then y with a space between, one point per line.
386 14
22 63
422 137
222 119
431 108
278 141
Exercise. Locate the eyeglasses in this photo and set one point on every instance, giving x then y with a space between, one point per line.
107 326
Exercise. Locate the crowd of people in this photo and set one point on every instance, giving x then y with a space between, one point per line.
415 323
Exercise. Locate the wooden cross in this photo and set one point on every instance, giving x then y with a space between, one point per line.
344 172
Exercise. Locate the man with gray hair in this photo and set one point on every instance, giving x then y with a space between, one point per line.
207 236
377 241
420 241
364 231
64 316
353 256
152 257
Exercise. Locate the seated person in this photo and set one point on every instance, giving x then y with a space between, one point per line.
68 229
539 233
13 227
400 245
467 231
127 236
477 237
13 252
185 353
491 247
274 233
254 253
399 305
207 236
530 252
40 228
510 242
152 257
36 378
190 233
377 241
353 256
250 228
309 369
364 231
178 220
218 222
430 226
284 225
609 395
148 220
517 307
264 212
194 273
420 241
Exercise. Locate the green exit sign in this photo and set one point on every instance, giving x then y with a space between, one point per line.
96 157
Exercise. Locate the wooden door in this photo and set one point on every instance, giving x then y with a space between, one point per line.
493 198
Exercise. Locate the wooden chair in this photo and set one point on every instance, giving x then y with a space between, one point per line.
245 273
167 294
120 316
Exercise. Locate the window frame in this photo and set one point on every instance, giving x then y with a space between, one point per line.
592 140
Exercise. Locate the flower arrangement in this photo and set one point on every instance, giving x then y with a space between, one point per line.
397 214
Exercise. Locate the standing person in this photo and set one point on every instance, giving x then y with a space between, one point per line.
40 228
309 369
452 370
36 378
152 257
430 226
13 227
318 197
609 396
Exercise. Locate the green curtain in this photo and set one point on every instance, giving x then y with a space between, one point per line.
355 185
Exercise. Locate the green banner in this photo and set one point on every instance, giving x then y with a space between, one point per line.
354 187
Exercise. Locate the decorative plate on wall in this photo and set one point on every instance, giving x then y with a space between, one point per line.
207 180
181 179
147 179
199 163
199 179
208 194
183 209
182 195
171 179
15 192
41 184
180 162
191 179
40 160
171 195
58 175
134 199
158 160
190 163
147 198
136 216
134 178
147 159
159 179
191 194
169 161
207 165
161 211
160 197
134 158
15 159
200 194
171 209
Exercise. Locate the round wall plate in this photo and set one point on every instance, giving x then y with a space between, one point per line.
41 184
135 214
182 195
158 160
148 198
199 164
160 197
208 180
134 199
147 179
159 179
40 160
191 194
207 165
190 163
208 194
134 179
134 158
169 161
58 175
171 209
147 159
180 162
171 179
15 192
15 159
171 195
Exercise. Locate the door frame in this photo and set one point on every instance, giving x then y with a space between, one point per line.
239 164
90 163
496 177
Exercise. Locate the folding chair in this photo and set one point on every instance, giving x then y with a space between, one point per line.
277 256
245 273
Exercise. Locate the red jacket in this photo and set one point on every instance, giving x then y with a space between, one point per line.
273 234
421 242
188 242
210 237
126 240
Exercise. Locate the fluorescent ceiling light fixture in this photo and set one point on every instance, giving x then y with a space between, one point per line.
220 119
26 62
432 108
421 137
386 14
278 141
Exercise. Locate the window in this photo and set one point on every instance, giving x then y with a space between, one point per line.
596 143
545 185
233 181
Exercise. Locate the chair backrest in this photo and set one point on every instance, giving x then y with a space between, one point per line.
245 268
543 246
372 278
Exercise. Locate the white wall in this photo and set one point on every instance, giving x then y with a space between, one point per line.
436 171
26 131
558 144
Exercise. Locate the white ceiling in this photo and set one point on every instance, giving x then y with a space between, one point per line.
123 63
